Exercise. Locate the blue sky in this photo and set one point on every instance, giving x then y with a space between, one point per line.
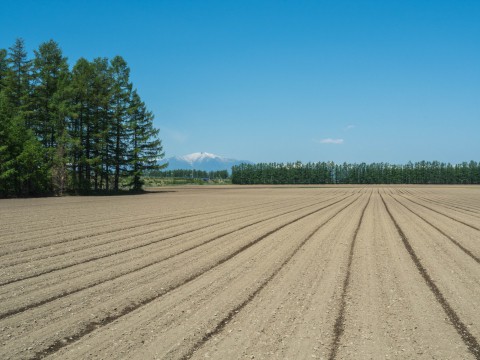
351 81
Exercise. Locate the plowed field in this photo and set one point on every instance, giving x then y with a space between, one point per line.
243 272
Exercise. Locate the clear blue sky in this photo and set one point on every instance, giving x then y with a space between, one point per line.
285 80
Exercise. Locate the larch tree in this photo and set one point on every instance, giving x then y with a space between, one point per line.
101 114
23 170
51 78
80 124
17 76
79 129
145 146
3 68
120 97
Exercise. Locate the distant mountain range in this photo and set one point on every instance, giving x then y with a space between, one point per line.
201 161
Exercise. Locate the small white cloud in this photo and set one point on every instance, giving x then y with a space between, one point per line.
350 127
331 141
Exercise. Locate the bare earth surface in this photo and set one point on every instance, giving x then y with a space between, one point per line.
243 272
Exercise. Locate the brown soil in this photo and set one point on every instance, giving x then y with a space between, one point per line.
339 272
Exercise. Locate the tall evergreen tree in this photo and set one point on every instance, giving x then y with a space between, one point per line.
23 170
81 128
145 147
102 122
7 157
3 68
120 97
17 77
50 105
50 76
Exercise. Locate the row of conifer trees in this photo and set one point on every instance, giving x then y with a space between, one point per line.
79 129
189 174
422 172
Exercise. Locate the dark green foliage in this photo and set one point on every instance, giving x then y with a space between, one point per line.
90 125
50 79
145 147
77 130
22 158
49 109
3 68
422 172
190 174
120 96
17 77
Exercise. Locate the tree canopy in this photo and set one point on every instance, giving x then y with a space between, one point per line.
82 129
422 172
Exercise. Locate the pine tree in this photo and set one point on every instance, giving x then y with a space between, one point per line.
17 76
50 76
120 96
7 160
3 68
23 170
145 147
51 108
81 124
77 130
101 89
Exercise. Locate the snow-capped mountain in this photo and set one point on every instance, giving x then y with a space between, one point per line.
201 161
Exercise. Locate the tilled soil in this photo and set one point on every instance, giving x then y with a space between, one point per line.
243 272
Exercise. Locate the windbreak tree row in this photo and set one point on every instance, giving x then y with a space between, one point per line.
189 174
81 130
423 172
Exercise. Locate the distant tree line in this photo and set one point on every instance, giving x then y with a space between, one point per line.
82 129
190 173
422 172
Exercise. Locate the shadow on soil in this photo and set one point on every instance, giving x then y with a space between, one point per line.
119 193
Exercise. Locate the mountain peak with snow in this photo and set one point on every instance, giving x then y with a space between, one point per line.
201 161
199 156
